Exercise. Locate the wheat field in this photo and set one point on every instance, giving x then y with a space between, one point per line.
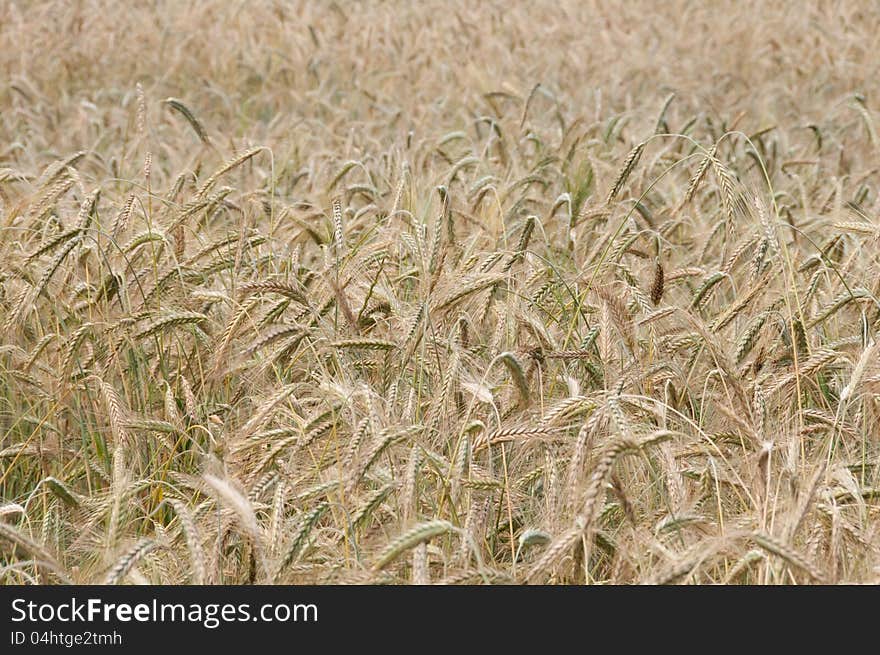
439 292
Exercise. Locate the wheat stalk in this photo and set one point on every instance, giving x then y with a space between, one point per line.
410 539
